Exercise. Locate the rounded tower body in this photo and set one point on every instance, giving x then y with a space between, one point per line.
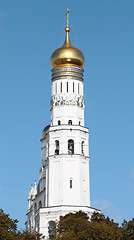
64 176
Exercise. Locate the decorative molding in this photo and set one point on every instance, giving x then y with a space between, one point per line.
72 99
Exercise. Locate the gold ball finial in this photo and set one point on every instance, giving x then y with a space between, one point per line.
67 29
67 54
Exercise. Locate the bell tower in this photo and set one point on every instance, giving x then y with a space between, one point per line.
64 176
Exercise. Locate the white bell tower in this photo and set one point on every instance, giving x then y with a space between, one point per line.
64 176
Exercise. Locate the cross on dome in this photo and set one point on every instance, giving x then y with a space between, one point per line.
67 54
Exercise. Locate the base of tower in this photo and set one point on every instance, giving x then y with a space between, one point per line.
47 217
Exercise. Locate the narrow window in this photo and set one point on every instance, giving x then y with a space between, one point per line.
29 224
73 87
79 122
40 204
82 147
38 228
71 183
56 147
67 86
61 87
70 146
44 200
59 122
70 122
35 208
78 88
52 229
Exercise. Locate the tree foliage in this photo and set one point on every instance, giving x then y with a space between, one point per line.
8 229
128 230
76 226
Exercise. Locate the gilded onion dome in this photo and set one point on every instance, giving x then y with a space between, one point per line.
67 54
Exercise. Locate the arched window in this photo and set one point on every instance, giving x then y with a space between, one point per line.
71 183
59 122
56 147
70 146
40 204
52 229
35 208
70 122
82 147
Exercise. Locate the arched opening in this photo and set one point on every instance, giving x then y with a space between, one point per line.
59 122
71 183
70 146
40 204
56 147
52 229
70 122
82 147
35 207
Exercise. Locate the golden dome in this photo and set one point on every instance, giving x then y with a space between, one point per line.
67 54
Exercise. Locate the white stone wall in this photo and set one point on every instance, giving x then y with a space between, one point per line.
73 168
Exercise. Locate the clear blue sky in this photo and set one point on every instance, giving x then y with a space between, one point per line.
29 32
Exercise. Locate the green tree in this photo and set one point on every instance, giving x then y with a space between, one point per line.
31 236
128 229
8 229
76 226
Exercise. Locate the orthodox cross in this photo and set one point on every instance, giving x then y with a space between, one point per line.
67 15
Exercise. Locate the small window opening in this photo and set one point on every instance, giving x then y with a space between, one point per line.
82 147
52 230
35 207
56 147
59 122
71 183
78 88
70 122
79 122
61 87
38 227
70 146
67 86
40 204
73 87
